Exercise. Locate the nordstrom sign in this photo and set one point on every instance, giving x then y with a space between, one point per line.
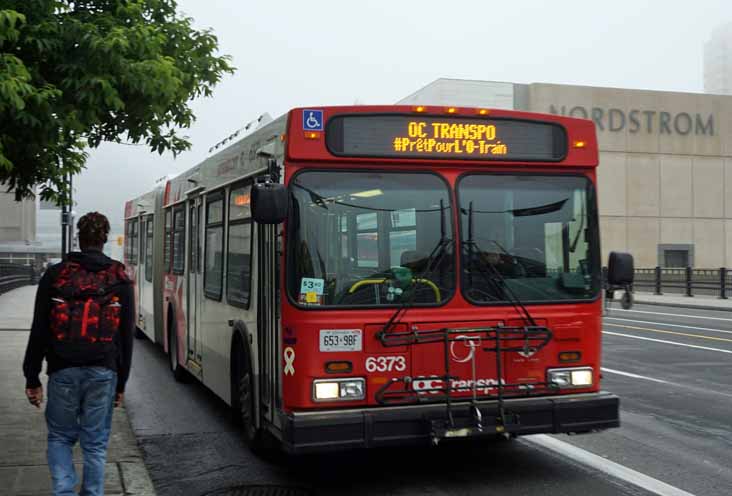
641 121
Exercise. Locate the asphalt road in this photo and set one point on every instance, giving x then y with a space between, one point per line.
672 368
673 373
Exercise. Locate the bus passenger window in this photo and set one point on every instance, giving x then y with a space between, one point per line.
133 242
149 248
127 242
179 247
214 249
168 240
238 272
142 240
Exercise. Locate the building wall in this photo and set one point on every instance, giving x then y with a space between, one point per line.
464 93
17 219
665 174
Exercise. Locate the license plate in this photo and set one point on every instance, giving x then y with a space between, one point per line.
340 340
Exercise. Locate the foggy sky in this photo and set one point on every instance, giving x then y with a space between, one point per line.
293 53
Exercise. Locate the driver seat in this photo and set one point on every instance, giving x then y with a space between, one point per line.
414 260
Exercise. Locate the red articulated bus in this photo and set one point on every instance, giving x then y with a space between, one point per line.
383 275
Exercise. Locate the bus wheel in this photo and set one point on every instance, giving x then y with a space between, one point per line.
252 434
179 374
139 334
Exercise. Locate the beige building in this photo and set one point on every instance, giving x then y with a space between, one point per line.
17 219
665 175
17 230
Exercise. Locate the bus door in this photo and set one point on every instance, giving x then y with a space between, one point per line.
267 319
194 282
140 268
144 284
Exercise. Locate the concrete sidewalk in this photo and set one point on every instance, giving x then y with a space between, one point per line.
681 301
16 308
23 469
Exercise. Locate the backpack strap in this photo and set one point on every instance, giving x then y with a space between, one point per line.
117 273
65 276
73 280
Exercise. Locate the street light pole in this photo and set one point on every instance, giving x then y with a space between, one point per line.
70 227
67 231
64 225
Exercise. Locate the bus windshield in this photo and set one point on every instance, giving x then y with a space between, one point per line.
370 239
528 237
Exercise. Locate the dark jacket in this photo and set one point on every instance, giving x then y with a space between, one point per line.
119 358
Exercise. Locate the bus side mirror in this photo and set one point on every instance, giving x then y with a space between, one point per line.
269 203
620 270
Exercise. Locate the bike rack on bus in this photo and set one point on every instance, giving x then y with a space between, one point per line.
499 339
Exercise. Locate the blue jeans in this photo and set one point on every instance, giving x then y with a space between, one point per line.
80 405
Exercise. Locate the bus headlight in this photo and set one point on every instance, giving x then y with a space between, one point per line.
570 377
339 389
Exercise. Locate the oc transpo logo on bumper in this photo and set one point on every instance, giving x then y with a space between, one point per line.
433 384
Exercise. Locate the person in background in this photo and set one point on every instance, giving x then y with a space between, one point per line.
83 325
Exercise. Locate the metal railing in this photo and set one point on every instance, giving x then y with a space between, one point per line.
684 281
13 276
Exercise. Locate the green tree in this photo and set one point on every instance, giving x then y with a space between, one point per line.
74 74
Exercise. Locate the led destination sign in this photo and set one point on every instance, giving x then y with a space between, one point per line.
416 136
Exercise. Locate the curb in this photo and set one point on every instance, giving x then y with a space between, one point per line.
136 478
683 305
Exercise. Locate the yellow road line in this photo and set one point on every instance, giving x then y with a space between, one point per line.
711 338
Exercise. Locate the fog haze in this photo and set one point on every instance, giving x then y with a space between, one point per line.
294 53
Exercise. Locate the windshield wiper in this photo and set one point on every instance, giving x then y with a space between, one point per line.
500 281
505 288
315 198
434 258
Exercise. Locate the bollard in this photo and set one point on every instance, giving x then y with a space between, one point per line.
688 281
723 283
657 275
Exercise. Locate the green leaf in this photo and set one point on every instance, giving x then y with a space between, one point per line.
76 73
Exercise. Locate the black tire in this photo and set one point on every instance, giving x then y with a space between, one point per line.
505 437
626 301
243 402
139 334
179 373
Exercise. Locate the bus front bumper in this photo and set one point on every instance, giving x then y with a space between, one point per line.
305 432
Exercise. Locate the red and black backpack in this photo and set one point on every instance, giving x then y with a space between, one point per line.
85 311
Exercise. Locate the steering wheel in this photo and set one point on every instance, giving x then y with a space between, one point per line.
383 280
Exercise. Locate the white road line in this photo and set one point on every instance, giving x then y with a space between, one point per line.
606 466
668 383
636 376
674 314
670 325
667 342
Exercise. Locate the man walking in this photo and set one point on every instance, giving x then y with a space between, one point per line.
83 325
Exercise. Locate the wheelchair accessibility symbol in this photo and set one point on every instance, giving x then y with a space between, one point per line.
312 120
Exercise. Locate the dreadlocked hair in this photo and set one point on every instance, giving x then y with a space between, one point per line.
93 229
